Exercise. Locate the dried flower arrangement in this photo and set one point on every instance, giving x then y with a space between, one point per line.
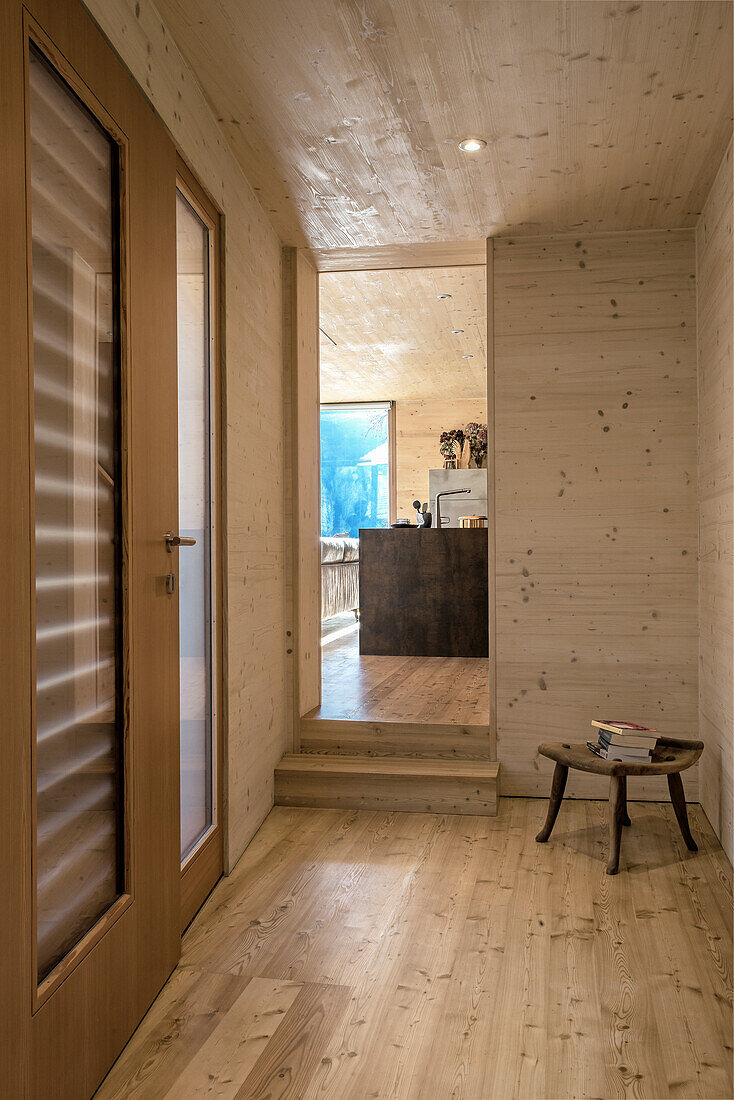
476 437
448 443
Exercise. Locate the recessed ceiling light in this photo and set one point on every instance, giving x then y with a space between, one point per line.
472 145
456 331
467 357
441 297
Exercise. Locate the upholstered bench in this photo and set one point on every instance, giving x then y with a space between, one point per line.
670 757
339 575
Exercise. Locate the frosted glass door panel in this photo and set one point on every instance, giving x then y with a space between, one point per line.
195 521
74 183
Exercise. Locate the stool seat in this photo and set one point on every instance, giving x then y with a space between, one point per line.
670 757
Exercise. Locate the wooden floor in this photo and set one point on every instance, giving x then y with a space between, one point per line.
357 954
397 689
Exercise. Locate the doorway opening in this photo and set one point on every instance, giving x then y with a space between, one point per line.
404 602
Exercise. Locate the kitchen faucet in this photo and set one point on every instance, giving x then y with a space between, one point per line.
446 493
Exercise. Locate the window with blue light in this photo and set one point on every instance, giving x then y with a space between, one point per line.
355 468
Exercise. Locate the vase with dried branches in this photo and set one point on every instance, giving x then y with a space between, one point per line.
476 437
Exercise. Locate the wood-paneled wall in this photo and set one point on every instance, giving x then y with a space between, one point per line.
418 428
596 524
254 456
715 256
303 484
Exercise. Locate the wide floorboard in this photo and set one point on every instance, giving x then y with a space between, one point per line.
357 954
397 689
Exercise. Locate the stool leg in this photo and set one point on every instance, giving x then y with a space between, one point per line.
678 798
617 813
626 817
558 786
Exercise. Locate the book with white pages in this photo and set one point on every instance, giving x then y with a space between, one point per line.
626 733
630 741
625 756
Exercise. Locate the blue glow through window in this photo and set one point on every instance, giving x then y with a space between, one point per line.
355 483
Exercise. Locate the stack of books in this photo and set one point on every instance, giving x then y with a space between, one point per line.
624 741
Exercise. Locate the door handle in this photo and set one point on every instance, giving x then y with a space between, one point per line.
177 540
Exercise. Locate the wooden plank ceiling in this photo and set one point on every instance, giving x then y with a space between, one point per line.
389 334
346 115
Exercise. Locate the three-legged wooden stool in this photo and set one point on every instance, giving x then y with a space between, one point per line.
670 757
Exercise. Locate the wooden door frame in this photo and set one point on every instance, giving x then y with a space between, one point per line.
302 363
204 865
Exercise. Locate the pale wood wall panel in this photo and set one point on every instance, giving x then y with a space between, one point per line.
595 388
418 429
254 459
303 472
715 257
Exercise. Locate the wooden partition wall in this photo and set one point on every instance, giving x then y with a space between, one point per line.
591 351
714 259
596 510
303 478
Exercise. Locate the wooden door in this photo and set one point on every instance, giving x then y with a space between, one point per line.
89 787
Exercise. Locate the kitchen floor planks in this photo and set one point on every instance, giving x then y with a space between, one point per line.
398 689
364 954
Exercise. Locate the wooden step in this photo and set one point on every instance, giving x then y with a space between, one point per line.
343 737
388 783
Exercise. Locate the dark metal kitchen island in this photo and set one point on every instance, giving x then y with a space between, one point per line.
423 593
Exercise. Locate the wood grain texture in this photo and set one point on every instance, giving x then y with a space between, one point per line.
291 1059
383 257
254 459
596 519
714 263
419 424
555 798
348 120
303 477
617 818
388 782
423 593
437 740
478 963
670 755
15 578
109 979
389 336
417 691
